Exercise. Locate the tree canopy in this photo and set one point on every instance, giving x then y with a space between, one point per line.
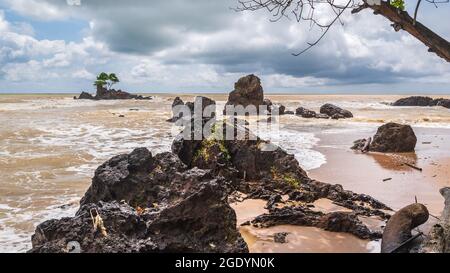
105 79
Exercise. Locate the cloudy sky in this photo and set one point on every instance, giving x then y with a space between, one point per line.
205 46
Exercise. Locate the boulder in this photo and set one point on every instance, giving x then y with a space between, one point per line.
247 91
422 101
177 102
305 113
282 110
148 204
280 237
414 101
196 108
85 96
176 114
391 138
399 227
335 112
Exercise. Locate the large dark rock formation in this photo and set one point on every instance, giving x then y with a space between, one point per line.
253 158
399 227
247 91
264 173
391 138
335 112
201 107
148 204
104 94
422 101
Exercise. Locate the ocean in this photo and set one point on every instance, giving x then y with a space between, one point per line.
50 145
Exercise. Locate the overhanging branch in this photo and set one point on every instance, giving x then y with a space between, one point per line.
402 20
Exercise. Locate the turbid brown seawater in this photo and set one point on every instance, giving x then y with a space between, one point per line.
50 146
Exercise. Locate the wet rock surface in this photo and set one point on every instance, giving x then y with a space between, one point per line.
305 113
335 112
303 216
86 96
148 204
391 138
280 238
272 174
422 101
399 227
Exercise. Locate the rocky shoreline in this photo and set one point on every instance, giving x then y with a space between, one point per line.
179 201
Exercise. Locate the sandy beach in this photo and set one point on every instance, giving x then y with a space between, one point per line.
51 146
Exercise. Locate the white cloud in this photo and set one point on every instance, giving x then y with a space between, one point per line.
184 45
83 74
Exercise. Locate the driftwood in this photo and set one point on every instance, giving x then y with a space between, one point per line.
366 147
414 167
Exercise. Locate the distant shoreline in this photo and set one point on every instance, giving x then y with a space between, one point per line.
226 93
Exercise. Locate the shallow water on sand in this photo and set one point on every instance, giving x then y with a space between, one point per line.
50 146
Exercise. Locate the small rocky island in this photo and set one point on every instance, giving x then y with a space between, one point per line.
104 83
422 101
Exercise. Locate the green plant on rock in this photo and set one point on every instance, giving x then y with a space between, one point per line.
208 144
291 180
400 4
285 178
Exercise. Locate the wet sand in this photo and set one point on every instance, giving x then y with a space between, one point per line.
300 239
365 172
362 173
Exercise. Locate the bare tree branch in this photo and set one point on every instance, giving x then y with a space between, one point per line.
304 10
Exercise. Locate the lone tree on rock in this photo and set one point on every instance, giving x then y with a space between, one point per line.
310 11
108 80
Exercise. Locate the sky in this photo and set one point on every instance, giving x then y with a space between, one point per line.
204 46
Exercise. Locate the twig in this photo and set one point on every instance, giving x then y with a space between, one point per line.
387 179
415 12
414 167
